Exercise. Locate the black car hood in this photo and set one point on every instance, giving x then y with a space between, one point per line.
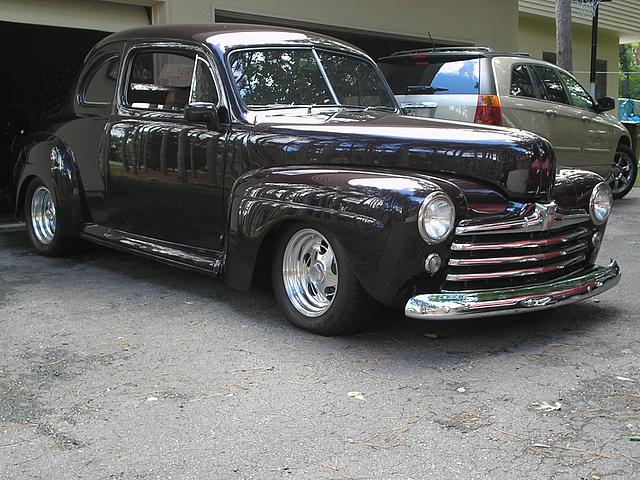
520 163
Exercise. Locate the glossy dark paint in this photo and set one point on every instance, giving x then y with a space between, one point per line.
373 213
360 174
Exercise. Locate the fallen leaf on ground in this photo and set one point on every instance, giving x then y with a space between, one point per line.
547 407
625 379
461 390
356 395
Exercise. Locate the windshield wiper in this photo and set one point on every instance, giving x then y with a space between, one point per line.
425 89
369 107
381 108
274 105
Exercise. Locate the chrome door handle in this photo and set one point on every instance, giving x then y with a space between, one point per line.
550 113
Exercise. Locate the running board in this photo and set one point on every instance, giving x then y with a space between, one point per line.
192 258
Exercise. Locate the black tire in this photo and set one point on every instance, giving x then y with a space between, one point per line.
59 240
624 173
351 308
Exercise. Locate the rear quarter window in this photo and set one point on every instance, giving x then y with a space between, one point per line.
521 82
433 78
101 84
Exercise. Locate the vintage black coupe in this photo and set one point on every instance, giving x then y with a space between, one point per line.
231 149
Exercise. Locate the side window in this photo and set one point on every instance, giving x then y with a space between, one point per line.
521 83
203 87
160 80
101 85
552 86
578 95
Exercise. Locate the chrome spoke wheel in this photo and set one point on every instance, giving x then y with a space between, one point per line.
43 215
310 272
621 172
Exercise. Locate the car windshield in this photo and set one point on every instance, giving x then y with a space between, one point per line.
304 77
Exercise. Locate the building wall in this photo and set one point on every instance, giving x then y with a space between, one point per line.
85 14
622 16
537 34
408 18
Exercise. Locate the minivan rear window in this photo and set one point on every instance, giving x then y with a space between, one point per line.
421 76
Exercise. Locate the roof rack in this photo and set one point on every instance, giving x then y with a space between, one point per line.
447 49
442 51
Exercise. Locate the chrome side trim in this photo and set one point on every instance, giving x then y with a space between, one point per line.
543 242
522 272
12 227
534 217
452 305
183 256
539 257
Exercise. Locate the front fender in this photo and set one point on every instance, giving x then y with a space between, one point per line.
373 214
51 160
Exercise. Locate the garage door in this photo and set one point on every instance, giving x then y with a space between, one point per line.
49 41
86 14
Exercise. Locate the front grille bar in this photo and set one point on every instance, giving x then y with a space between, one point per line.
522 272
534 243
539 257
532 217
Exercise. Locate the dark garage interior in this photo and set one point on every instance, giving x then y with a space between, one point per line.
40 65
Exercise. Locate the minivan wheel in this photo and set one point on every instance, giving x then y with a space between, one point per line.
624 172
314 284
42 216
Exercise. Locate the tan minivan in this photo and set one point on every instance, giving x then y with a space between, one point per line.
515 90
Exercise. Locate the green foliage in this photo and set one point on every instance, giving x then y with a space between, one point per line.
629 81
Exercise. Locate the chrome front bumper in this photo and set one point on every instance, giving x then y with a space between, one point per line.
507 301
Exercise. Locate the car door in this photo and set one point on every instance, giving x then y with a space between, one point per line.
523 106
565 123
597 135
163 173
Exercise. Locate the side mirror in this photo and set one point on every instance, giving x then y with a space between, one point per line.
203 112
605 104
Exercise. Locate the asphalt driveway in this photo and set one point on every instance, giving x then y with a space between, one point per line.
115 367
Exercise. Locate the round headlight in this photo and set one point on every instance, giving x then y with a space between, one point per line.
436 218
600 203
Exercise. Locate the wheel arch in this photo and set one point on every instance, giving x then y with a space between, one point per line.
624 140
49 159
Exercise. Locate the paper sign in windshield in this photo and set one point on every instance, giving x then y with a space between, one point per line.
176 75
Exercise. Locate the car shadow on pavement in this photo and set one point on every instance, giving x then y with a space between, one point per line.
390 334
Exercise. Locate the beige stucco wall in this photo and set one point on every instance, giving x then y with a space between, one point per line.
538 34
480 22
88 14
477 22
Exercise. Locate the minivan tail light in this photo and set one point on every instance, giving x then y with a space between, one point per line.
489 110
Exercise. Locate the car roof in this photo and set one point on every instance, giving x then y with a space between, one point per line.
226 36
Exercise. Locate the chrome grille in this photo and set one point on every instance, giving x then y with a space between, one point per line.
537 243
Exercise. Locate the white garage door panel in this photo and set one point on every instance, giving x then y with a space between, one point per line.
89 14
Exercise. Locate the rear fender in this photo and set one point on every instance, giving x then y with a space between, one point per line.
50 160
